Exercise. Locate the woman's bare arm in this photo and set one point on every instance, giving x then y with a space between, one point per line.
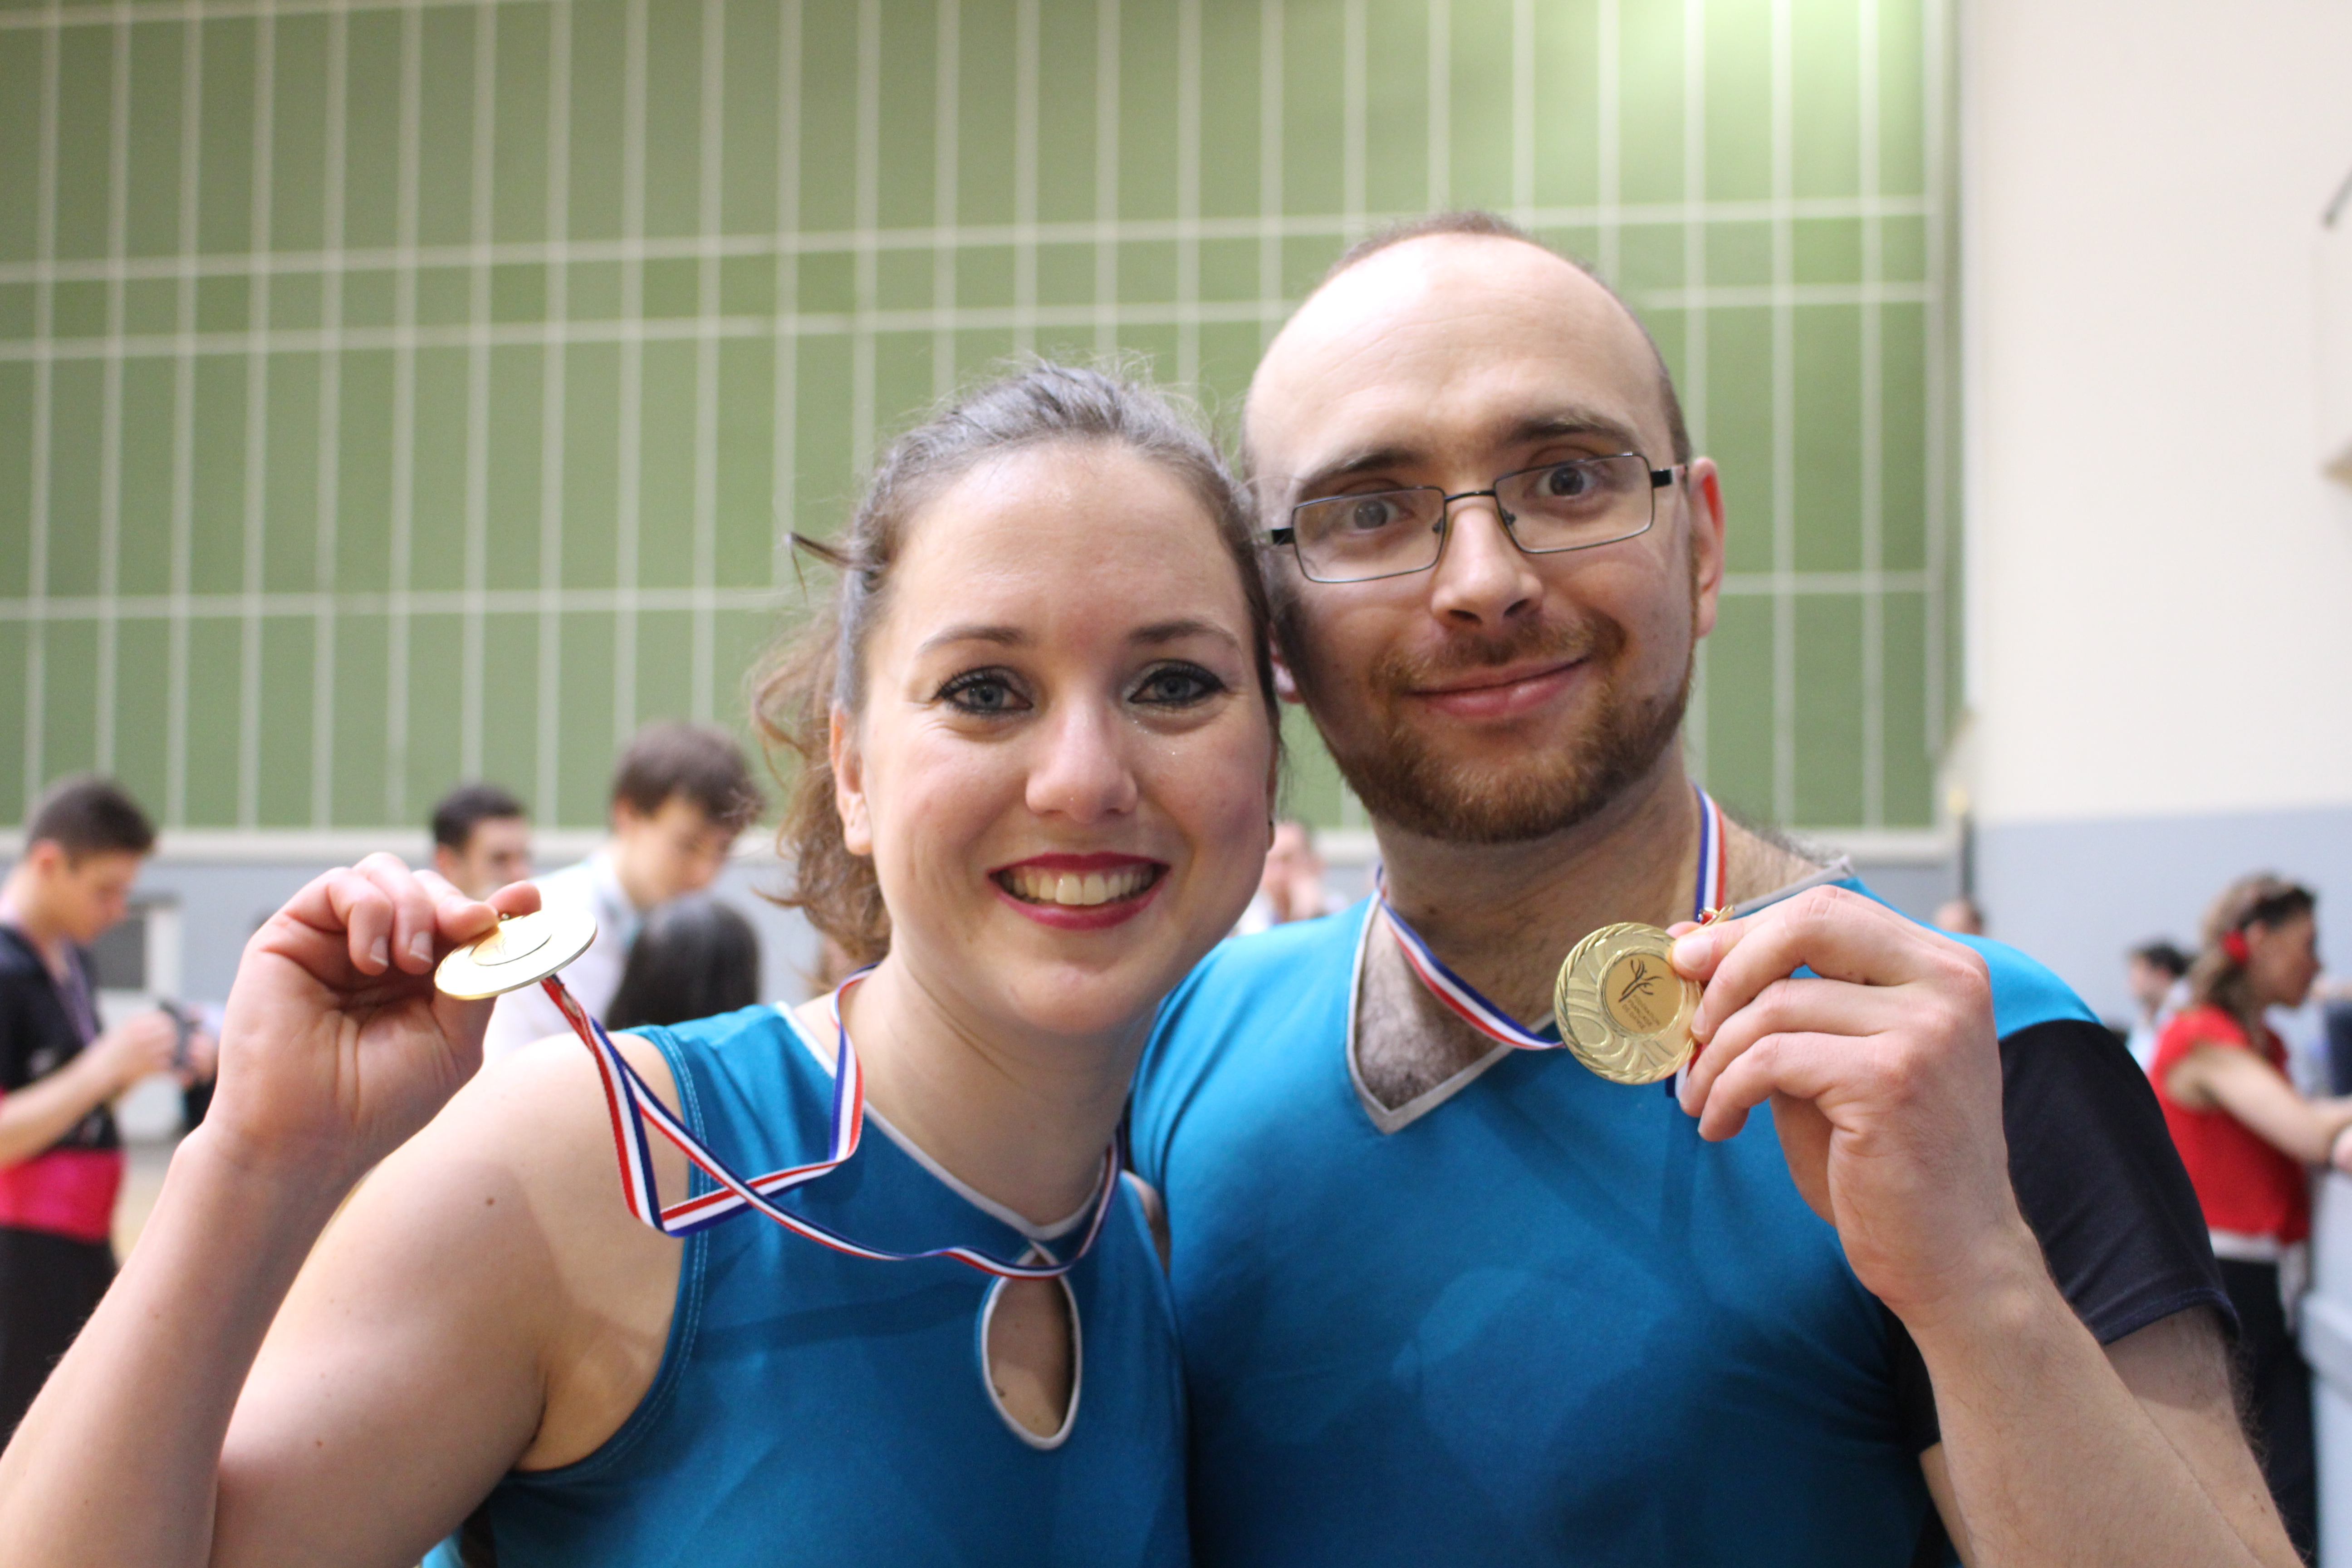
2259 1096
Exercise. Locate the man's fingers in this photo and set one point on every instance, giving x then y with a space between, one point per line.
1801 1066
1838 934
1792 1005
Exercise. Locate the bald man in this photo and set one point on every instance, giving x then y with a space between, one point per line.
1447 1296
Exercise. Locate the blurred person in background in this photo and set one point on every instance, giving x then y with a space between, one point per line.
2249 1141
2153 971
695 958
681 794
60 1157
1960 916
1291 886
481 839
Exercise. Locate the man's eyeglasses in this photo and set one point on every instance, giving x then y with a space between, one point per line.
1393 533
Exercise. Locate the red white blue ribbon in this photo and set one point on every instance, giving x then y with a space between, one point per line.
1462 998
632 1104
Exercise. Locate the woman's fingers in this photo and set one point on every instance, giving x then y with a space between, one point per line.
414 921
361 909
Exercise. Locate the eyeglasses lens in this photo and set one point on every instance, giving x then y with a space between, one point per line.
1390 533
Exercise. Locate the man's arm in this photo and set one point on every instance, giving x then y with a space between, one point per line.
1884 1079
36 1116
2178 1368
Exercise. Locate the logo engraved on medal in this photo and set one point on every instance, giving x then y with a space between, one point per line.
1623 1010
522 950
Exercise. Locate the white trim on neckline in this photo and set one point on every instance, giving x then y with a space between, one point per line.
1386 1120
947 1178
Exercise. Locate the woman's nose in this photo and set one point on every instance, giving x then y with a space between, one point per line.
1080 769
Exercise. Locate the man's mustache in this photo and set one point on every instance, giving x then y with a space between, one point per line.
1399 670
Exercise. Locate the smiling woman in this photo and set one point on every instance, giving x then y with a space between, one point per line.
1037 750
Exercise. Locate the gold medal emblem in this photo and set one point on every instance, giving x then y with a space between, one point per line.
522 950
1623 1010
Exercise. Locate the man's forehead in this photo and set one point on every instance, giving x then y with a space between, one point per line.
1448 339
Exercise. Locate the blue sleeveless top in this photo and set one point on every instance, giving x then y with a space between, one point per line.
814 1407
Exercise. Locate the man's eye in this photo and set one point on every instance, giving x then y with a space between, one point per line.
1178 686
982 692
1567 481
1369 514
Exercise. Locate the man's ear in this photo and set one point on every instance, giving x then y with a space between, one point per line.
1285 684
849 783
444 861
1703 489
48 858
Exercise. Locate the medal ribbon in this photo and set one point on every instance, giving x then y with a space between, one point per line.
632 1104
1462 998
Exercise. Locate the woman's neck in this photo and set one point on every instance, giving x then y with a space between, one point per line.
1020 1117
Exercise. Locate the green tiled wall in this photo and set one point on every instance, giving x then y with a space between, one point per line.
396 391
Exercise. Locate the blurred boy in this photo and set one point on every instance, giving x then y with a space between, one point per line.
60 1158
481 839
680 795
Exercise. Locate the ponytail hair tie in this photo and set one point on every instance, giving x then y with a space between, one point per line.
2233 946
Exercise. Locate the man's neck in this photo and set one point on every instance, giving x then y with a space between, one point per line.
1501 916
1021 1120
21 907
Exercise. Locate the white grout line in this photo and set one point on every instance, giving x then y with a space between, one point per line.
1873 427
260 221
482 174
1269 157
947 119
1107 88
1440 131
1188 185
1523 110
1784 429
403 414
1610 218
618 601
820 242
630 467
784 454
1025 235
1936 24
184 429
110 492
554 372
36 572
868 152
330 428
1355 87
709 219
1694 324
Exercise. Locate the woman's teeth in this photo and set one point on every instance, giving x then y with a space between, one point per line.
1078 889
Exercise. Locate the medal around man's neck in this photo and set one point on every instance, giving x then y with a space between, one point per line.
1623 1011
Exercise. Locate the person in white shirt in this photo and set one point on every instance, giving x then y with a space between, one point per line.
681 794
2155 972
1291 886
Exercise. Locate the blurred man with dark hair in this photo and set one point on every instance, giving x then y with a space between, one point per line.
2154 972
681 794
60 1158
481 839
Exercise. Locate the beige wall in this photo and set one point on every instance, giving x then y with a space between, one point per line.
2152 542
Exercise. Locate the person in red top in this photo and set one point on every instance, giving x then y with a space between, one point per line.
60 1160
2249 1141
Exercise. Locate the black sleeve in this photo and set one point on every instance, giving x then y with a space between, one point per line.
2099 1181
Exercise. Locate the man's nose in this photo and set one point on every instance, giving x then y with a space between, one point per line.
1080 769
1483 578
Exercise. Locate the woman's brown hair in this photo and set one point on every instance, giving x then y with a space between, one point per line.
2218 978
804 675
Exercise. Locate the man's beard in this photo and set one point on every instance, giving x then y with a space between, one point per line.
1406 777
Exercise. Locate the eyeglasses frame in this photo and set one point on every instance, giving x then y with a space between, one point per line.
1288 533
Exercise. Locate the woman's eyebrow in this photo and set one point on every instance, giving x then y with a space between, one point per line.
1004 636
1177 630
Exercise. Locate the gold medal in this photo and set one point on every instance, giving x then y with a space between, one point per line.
523 951
1623 1010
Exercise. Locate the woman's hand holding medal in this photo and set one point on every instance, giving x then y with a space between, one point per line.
1884 1073
336 1045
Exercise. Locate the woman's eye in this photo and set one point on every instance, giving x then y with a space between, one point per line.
982 692
1178 686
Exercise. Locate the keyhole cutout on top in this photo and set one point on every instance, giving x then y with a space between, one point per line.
1030 1356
